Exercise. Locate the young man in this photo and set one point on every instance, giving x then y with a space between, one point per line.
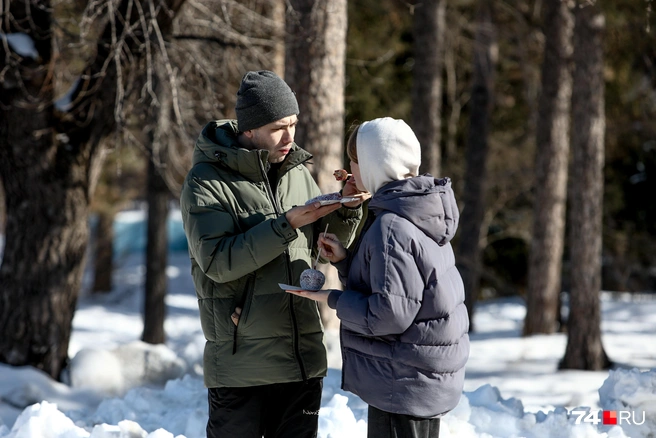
248 230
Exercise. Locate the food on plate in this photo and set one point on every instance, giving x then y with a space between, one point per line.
335 196
341 175
312 279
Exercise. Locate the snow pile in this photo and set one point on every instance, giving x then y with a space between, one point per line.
336 420
44 420
634 392
180 409
127 366
484 413
24 386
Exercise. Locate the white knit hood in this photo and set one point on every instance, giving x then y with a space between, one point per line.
388 150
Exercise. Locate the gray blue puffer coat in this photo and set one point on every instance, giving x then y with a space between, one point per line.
404 324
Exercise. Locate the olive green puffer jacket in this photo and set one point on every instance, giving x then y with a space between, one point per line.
241 246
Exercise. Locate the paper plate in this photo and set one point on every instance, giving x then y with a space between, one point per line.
335 201
290 287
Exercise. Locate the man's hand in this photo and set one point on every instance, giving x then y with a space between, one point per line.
307 214
235 316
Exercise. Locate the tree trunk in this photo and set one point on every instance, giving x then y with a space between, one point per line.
584 348
49 164
2 215
46 235
103 263
46 230
315 70
428 31
158 196
469 250
156 252
455 102
278 15
552 143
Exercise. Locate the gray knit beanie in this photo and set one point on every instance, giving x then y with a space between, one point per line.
263 98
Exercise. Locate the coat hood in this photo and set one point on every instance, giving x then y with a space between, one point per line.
388 150
427 202
218 142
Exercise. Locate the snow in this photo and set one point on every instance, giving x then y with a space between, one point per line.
65 102
21 43
117 386
130 232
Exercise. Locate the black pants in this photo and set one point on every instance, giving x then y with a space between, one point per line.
383 424
282 410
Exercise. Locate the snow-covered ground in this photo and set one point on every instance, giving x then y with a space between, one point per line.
120 387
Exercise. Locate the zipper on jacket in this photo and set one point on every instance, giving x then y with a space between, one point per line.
295 334
341 347
272 196
296 339
234 339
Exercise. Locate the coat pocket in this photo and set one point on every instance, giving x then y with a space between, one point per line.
249 290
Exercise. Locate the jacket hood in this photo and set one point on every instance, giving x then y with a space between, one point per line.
217 143
388 150
427 202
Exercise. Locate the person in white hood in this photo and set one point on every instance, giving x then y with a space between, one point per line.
386 150
404 324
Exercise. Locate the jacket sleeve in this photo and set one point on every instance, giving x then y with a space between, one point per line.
342 269
396 291
223 252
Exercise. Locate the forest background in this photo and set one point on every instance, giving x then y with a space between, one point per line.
102 114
